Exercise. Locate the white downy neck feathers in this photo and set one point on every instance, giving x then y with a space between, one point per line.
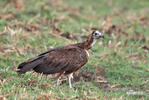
94 41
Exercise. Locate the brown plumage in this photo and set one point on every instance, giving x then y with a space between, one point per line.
63 60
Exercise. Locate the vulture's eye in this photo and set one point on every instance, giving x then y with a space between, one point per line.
95 34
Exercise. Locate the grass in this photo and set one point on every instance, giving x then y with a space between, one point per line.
118 67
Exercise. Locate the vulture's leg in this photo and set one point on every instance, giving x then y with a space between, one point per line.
70 77
58 81
58 77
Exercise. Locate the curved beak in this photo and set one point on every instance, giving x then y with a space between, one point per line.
102 36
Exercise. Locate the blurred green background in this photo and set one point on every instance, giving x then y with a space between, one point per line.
118 67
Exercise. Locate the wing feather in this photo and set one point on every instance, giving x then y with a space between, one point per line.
64 59
57 60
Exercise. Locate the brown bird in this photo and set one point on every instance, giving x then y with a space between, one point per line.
64 60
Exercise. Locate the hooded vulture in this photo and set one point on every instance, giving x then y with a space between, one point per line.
63 60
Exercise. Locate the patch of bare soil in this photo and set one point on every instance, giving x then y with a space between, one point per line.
97 77
84 75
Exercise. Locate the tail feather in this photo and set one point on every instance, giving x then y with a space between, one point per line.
21 65
27 66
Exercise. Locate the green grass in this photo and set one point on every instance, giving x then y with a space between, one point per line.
29 31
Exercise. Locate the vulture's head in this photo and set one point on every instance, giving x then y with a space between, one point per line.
97 35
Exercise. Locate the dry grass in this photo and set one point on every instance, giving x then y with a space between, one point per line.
118 67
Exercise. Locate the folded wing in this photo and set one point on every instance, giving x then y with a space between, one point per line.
63 59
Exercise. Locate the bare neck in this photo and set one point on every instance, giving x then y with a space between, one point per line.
88 43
